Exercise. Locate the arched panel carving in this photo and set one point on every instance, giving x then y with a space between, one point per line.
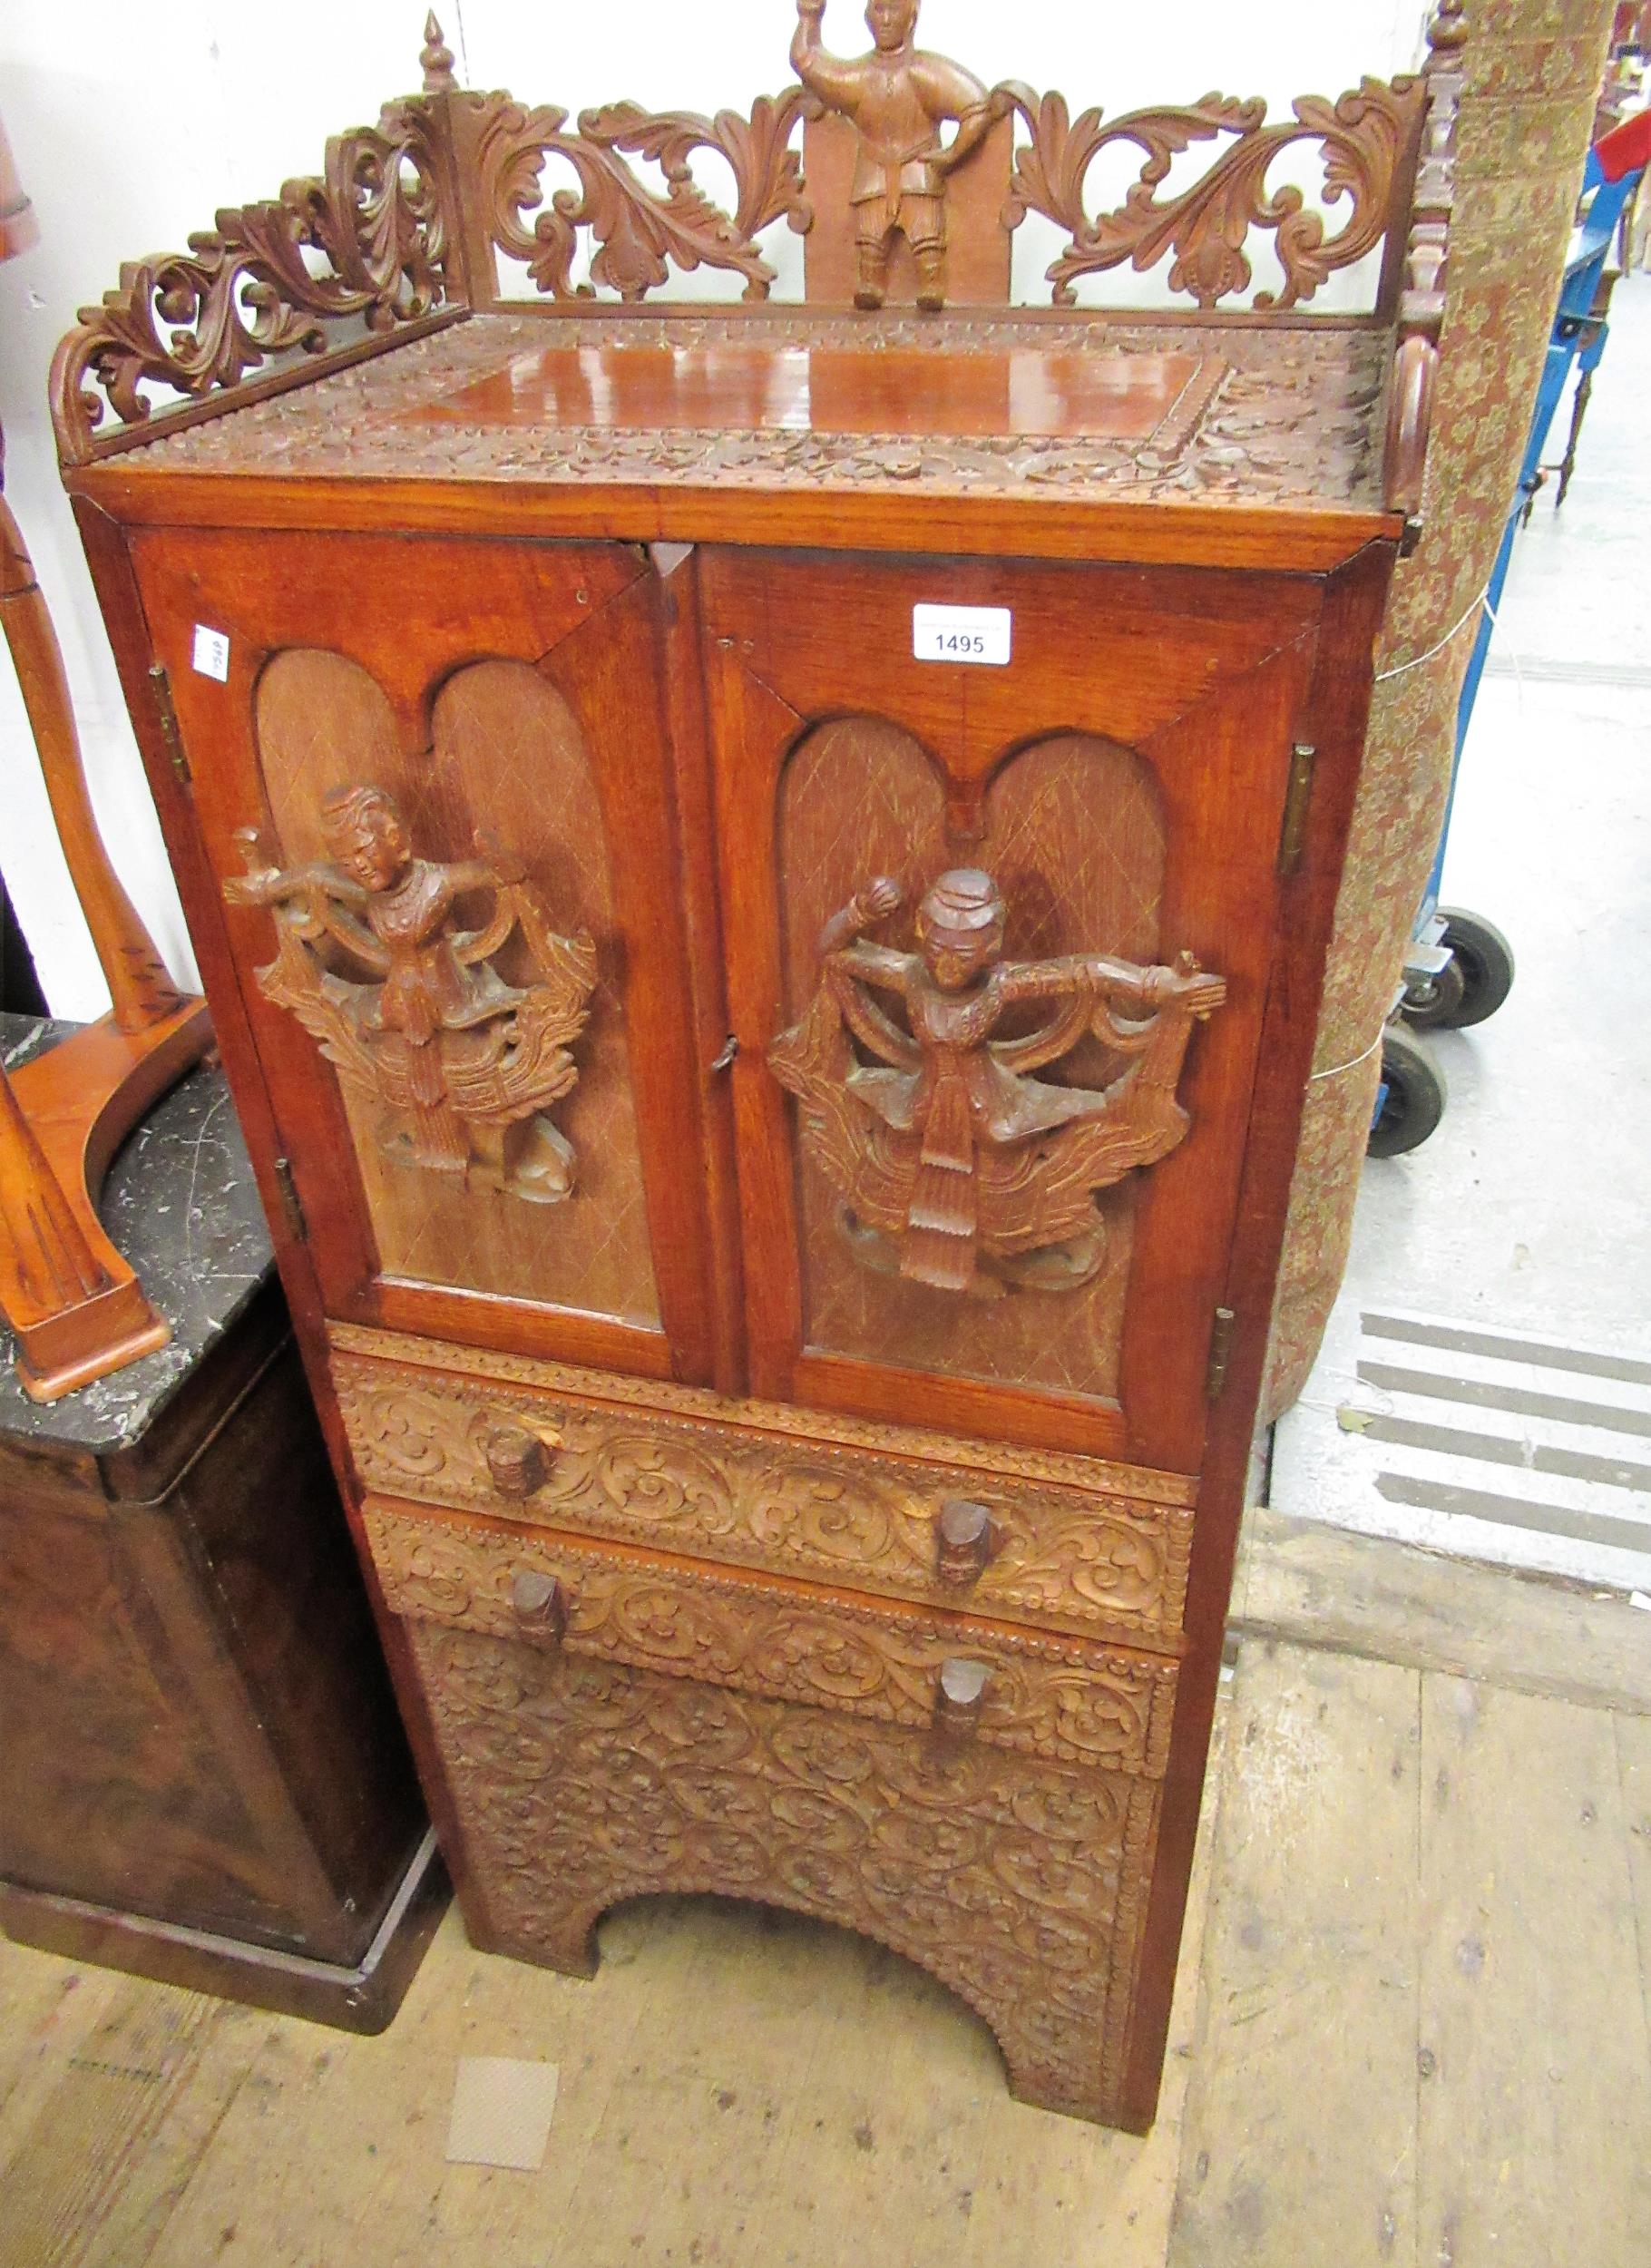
521 1176
1074 837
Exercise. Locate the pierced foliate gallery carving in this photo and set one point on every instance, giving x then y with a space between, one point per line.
408 1006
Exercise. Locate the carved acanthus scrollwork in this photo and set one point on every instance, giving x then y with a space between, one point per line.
1363 136
1019 1884
247 289
636 234
400 229
465 1061
955 1165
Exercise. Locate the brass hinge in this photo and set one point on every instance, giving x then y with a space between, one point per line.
1220 1349
292 1203
168 715
1293 833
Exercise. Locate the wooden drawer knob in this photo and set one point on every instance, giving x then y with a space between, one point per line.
959 1695
518 1462
963 1537
539 1601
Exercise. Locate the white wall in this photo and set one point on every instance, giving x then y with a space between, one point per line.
129 127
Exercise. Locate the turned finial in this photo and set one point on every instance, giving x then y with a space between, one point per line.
1447 27
435 59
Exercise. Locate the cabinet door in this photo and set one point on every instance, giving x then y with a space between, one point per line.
990 1133
431 778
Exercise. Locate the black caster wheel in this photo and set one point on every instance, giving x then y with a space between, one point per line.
1485 958
1412 1097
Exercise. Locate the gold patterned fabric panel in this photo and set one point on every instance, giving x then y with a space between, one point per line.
1532 79
814 1509
1043 1695
1074 835
1021 1885
506 755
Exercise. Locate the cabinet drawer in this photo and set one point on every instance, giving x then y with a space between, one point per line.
1058 1697
1061 1541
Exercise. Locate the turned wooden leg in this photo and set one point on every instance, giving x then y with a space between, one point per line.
138 986
73 1303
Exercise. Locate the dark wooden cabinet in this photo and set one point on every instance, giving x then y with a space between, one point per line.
202 1777
779 1103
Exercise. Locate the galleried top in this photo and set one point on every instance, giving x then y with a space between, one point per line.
906 177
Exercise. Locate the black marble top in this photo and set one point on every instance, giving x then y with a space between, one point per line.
181 1203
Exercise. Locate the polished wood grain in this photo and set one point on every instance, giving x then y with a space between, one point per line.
608 387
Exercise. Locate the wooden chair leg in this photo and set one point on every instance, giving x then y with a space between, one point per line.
140 989
75 1304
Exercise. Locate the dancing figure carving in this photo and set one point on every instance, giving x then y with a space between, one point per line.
954 1164
408 1006
897 99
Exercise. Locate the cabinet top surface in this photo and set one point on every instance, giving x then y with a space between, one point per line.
1225 418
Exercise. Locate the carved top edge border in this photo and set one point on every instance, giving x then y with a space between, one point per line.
402 228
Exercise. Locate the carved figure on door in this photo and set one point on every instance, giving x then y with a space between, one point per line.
955 1165
467 1061
897 98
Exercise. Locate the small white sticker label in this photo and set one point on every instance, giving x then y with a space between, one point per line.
961 633
212 654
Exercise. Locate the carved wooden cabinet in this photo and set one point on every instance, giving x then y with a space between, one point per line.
763 873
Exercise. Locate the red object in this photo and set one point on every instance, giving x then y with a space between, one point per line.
1627 148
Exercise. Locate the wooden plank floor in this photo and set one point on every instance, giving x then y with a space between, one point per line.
1411 2030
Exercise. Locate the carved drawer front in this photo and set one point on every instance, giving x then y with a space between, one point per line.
958 1678
1016 1534
1020 1884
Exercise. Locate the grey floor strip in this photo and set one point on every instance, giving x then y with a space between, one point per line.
1513 1511
1500 1348
1499 1449
1480 1393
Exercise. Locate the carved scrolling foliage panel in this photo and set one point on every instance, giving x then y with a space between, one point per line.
368 242
814 1509
364 242
1019 1884
1200 227
1073 833
483 1067
1048 1695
